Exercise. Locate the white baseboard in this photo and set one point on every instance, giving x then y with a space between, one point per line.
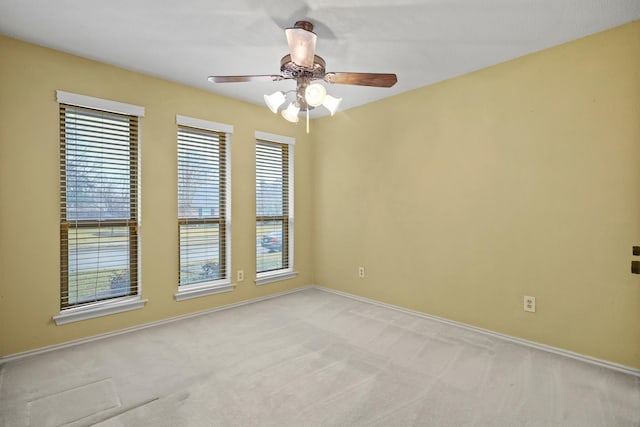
532 344
41 350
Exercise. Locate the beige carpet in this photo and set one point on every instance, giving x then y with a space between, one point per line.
311 358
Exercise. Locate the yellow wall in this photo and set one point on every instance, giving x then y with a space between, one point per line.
29 182
520 179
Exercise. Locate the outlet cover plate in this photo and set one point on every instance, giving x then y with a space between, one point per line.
530 304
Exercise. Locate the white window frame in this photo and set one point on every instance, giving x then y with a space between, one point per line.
289 272
196 290
127 303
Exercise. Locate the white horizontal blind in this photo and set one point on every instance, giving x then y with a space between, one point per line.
202 202
272 206
98 205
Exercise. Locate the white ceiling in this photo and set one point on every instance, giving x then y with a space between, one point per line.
422 41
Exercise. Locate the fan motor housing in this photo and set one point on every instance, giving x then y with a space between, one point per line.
291 70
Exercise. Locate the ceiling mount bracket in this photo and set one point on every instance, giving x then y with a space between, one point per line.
305 25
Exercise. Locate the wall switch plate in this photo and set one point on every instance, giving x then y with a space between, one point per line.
635 267
636 250
530 304
240 276
361 272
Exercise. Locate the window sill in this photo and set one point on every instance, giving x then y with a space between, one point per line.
99 309
186 292
265 278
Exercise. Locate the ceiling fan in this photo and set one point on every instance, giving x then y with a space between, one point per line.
304 66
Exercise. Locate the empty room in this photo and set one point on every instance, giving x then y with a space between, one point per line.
321 213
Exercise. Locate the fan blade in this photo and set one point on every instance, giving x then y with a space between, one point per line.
362 79
239 79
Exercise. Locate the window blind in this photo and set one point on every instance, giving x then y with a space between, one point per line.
98 205
202 202
272 206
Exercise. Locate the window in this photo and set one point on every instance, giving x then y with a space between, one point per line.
274 207
98 207
203 207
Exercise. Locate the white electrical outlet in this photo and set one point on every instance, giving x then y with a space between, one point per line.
240 275
361 272
530 304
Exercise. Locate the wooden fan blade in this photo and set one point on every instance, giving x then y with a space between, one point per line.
362 79
239 79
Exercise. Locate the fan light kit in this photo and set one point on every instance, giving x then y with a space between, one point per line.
304 66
